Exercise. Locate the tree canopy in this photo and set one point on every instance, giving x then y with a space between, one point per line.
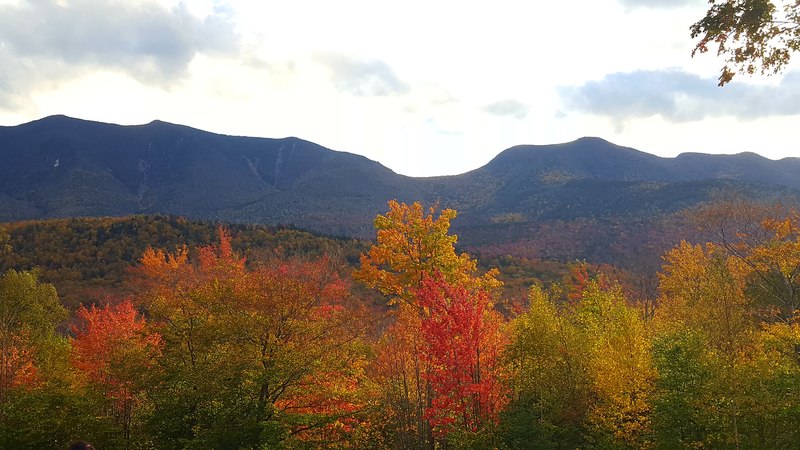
755 36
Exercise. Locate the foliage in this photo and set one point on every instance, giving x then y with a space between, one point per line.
41 403
82 256
619 365
5 243
438 360
682 395
29 312
753 35
217 350
117 354
252 356
551 388
412 244
462 347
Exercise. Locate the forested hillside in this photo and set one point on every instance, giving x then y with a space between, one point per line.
255 337
60 167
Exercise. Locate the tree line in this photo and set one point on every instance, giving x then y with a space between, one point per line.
211 350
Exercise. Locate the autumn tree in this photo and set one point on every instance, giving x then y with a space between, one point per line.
754 36
581 370
619 365
41 404
765 240
252 356
413 245
117 352
727 358
29 313
549 378
462 348
702 292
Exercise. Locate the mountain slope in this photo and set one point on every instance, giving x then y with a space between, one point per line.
63 167
60 166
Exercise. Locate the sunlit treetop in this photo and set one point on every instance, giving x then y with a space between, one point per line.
412 243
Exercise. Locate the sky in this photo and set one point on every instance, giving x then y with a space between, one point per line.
423 87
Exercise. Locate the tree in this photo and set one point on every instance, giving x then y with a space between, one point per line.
725 377
765 240
414 245
753 35
29 313
5 243
682 397
41 404
117 353
619 366
462 346
253 356
549 378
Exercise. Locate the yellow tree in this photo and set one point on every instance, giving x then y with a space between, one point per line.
702 292
412 244
730 310
619 365
549 378
765 240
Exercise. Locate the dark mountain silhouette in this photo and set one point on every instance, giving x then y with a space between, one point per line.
64 167
58 166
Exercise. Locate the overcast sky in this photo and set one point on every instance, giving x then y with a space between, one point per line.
424 87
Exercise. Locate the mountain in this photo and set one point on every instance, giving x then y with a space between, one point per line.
591 177
64 167
61 167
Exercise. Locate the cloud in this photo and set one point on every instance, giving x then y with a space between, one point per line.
47 40
678 96
362 77
662 4
507 107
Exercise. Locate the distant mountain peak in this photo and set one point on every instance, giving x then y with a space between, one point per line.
592 140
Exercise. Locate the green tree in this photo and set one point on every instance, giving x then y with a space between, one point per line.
682 395
752 35
551 387
5 243
29 313
42 403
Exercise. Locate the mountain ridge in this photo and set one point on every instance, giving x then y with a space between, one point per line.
64 167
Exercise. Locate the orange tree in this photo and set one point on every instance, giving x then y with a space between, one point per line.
117 353
252 357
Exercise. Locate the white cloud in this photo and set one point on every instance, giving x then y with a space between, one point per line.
508 107
659 3
362 77
678 96
49 42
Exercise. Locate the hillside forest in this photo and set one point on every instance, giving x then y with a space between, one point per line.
163 333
